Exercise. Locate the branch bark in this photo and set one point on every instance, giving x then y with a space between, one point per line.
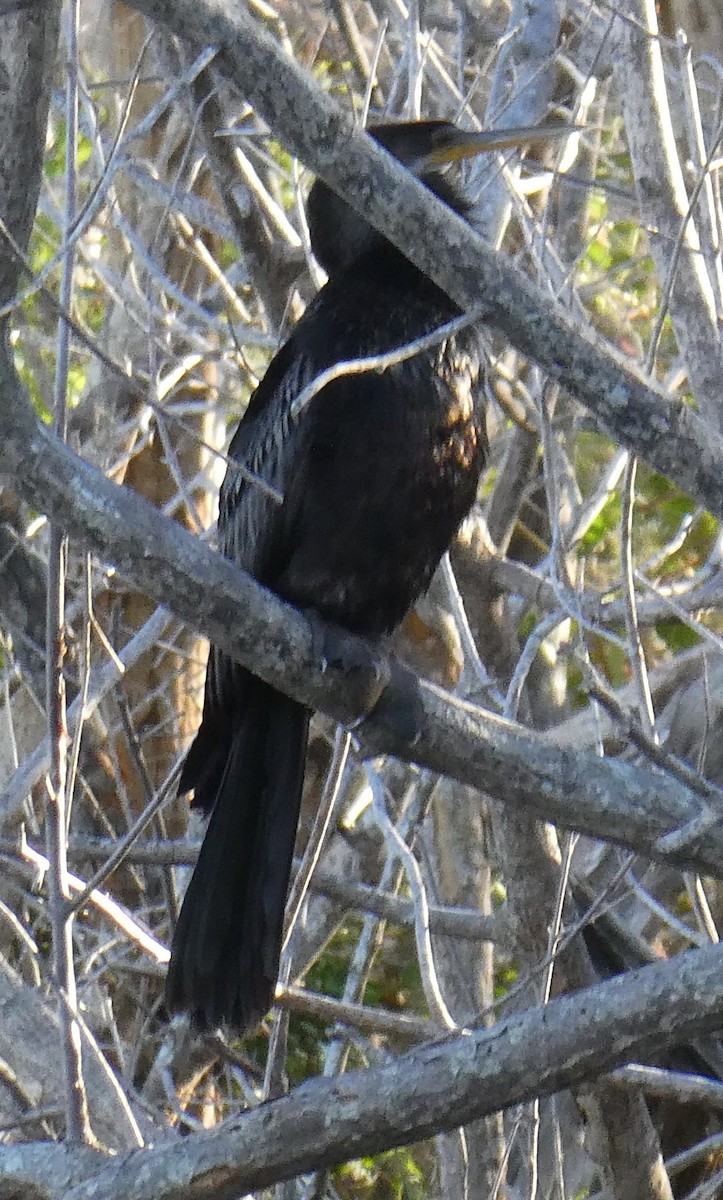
667 434
28 44
630 805
436 1087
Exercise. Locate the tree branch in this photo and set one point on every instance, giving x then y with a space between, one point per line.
436 1087
623 803
667 434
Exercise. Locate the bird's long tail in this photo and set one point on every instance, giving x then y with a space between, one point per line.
225 954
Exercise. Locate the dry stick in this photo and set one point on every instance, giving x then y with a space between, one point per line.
319 833
357 1016
680 1086
554 941
90 210
85 666
708 216
667 209
703 596
76 1101
705 590
110 908
335 1057
122 846
466 923
636 653
114 1084
136 379
154 800
76 1110
709 1147
103 679
699 295
399 849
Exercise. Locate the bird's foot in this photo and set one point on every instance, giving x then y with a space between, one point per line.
400 709
377 685
365 673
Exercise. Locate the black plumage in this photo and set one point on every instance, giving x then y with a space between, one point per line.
376 473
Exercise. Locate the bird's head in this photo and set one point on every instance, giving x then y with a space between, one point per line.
426 148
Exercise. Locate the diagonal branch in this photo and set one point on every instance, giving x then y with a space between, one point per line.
667 434
631 805
435 1087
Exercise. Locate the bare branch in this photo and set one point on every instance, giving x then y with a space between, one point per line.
614 800
440 1086
668 434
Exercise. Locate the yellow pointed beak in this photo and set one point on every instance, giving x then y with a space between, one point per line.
452 144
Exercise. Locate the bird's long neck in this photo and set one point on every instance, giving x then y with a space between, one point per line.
339 236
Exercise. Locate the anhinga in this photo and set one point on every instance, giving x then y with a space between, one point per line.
376 473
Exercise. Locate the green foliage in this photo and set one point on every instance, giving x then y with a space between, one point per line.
506 976
601 533
89 301
328 974
660 511
677 636
395 1175
610 658
56 150
395 982
306 1045
334 75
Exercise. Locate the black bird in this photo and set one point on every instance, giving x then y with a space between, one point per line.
376 474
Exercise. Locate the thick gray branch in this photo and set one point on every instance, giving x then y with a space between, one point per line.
664 204
669 435
436 1087
607 799
28 44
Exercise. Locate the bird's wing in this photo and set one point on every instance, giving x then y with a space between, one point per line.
255 526
253 505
